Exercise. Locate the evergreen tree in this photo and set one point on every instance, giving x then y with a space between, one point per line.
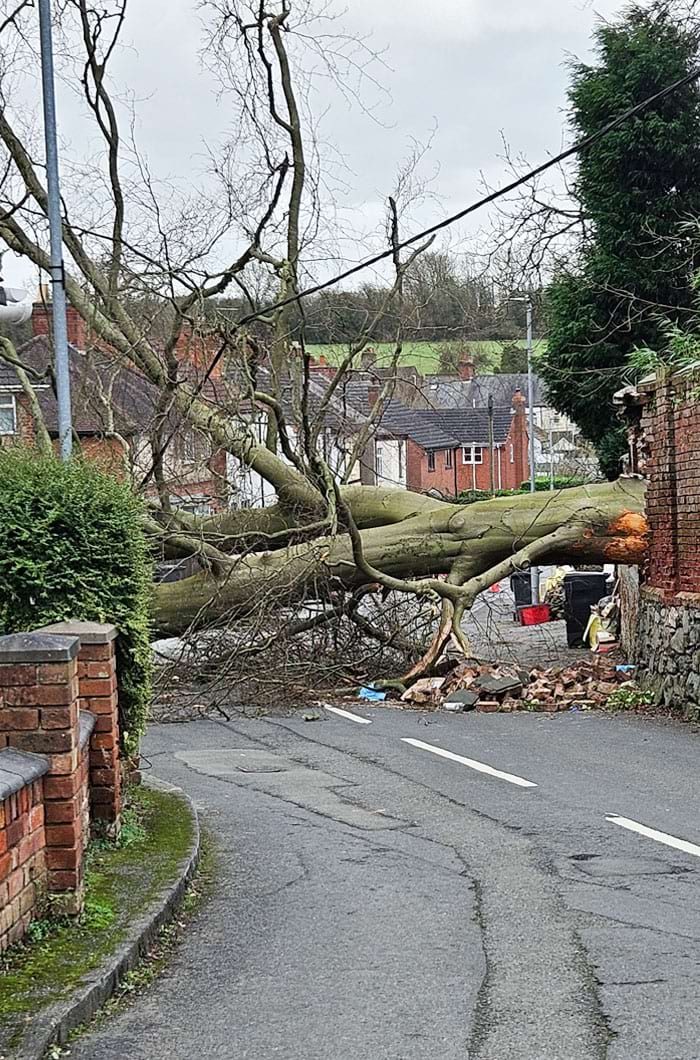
637 187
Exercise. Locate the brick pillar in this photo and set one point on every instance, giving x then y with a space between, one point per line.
39 713
97 684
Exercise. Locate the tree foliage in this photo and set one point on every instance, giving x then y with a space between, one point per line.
636 187
72 547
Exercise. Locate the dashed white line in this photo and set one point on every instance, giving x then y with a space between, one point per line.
480 767
346 714
651 833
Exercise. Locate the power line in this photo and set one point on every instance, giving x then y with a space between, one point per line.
580 145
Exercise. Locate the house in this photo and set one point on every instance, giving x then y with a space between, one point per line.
114 410
451 450
468 388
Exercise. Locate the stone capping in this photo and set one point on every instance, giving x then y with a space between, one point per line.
18 769
649 592
86 725
37 648
88 632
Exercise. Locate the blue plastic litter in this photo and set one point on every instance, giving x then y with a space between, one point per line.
625 669
371 693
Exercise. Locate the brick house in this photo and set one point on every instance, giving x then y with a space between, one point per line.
451 450
661 620
114 408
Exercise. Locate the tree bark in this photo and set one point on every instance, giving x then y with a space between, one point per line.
608 519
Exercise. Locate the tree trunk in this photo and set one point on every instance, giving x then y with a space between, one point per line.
608 519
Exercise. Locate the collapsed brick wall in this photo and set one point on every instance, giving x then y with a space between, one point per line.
667 640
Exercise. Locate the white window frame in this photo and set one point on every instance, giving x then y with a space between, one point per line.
449 460
469 456
8 401
378 461
431 460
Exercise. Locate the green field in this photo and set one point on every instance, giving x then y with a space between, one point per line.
425 356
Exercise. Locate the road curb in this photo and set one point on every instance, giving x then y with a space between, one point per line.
55 1023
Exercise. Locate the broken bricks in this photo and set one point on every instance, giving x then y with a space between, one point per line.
582 685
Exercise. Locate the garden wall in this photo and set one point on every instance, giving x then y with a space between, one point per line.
59 765
666 641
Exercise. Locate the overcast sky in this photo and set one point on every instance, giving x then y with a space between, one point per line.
469 71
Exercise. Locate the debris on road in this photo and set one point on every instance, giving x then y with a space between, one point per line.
501 687
424 691
372 694
494 687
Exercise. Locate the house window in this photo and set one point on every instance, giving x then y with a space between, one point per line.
431 461
192 448
379 462
512 454
472 454
448 458
8 414
401 467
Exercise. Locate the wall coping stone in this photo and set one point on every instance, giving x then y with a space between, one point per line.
86 725
18 769
89 632
37 647
650 592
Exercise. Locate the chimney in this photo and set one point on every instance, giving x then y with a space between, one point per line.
199 351
42 313
466 369
373 395
368 357
519 402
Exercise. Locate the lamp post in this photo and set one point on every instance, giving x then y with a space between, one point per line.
534 571
56 269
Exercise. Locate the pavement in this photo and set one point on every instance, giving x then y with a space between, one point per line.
431 887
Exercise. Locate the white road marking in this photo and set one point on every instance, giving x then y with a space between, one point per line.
651 833
479 766
351 717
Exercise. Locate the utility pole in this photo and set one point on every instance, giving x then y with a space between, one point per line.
57 271
492 480
534 571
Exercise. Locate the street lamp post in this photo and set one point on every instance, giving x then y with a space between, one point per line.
57 272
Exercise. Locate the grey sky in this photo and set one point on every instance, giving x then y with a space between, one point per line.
470 70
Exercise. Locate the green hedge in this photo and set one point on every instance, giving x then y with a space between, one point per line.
71 546
542 485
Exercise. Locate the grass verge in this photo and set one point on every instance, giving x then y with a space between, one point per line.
122 879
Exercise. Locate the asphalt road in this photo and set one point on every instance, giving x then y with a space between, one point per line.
536 897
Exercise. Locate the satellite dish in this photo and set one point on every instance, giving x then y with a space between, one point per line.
15 305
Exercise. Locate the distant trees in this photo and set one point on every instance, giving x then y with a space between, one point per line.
637 189
443 300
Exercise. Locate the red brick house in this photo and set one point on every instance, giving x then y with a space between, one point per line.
452 451
114 408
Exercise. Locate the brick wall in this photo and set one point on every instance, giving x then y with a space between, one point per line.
665 640
670 430
22 844
59 766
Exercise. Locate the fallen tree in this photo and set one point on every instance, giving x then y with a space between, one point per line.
145 274
474 545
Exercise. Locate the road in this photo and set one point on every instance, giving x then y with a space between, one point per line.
433 887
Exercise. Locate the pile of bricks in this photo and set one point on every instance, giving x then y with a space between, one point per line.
489 688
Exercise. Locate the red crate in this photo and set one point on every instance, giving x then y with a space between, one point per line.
535 615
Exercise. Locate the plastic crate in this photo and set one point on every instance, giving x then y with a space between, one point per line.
535 614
